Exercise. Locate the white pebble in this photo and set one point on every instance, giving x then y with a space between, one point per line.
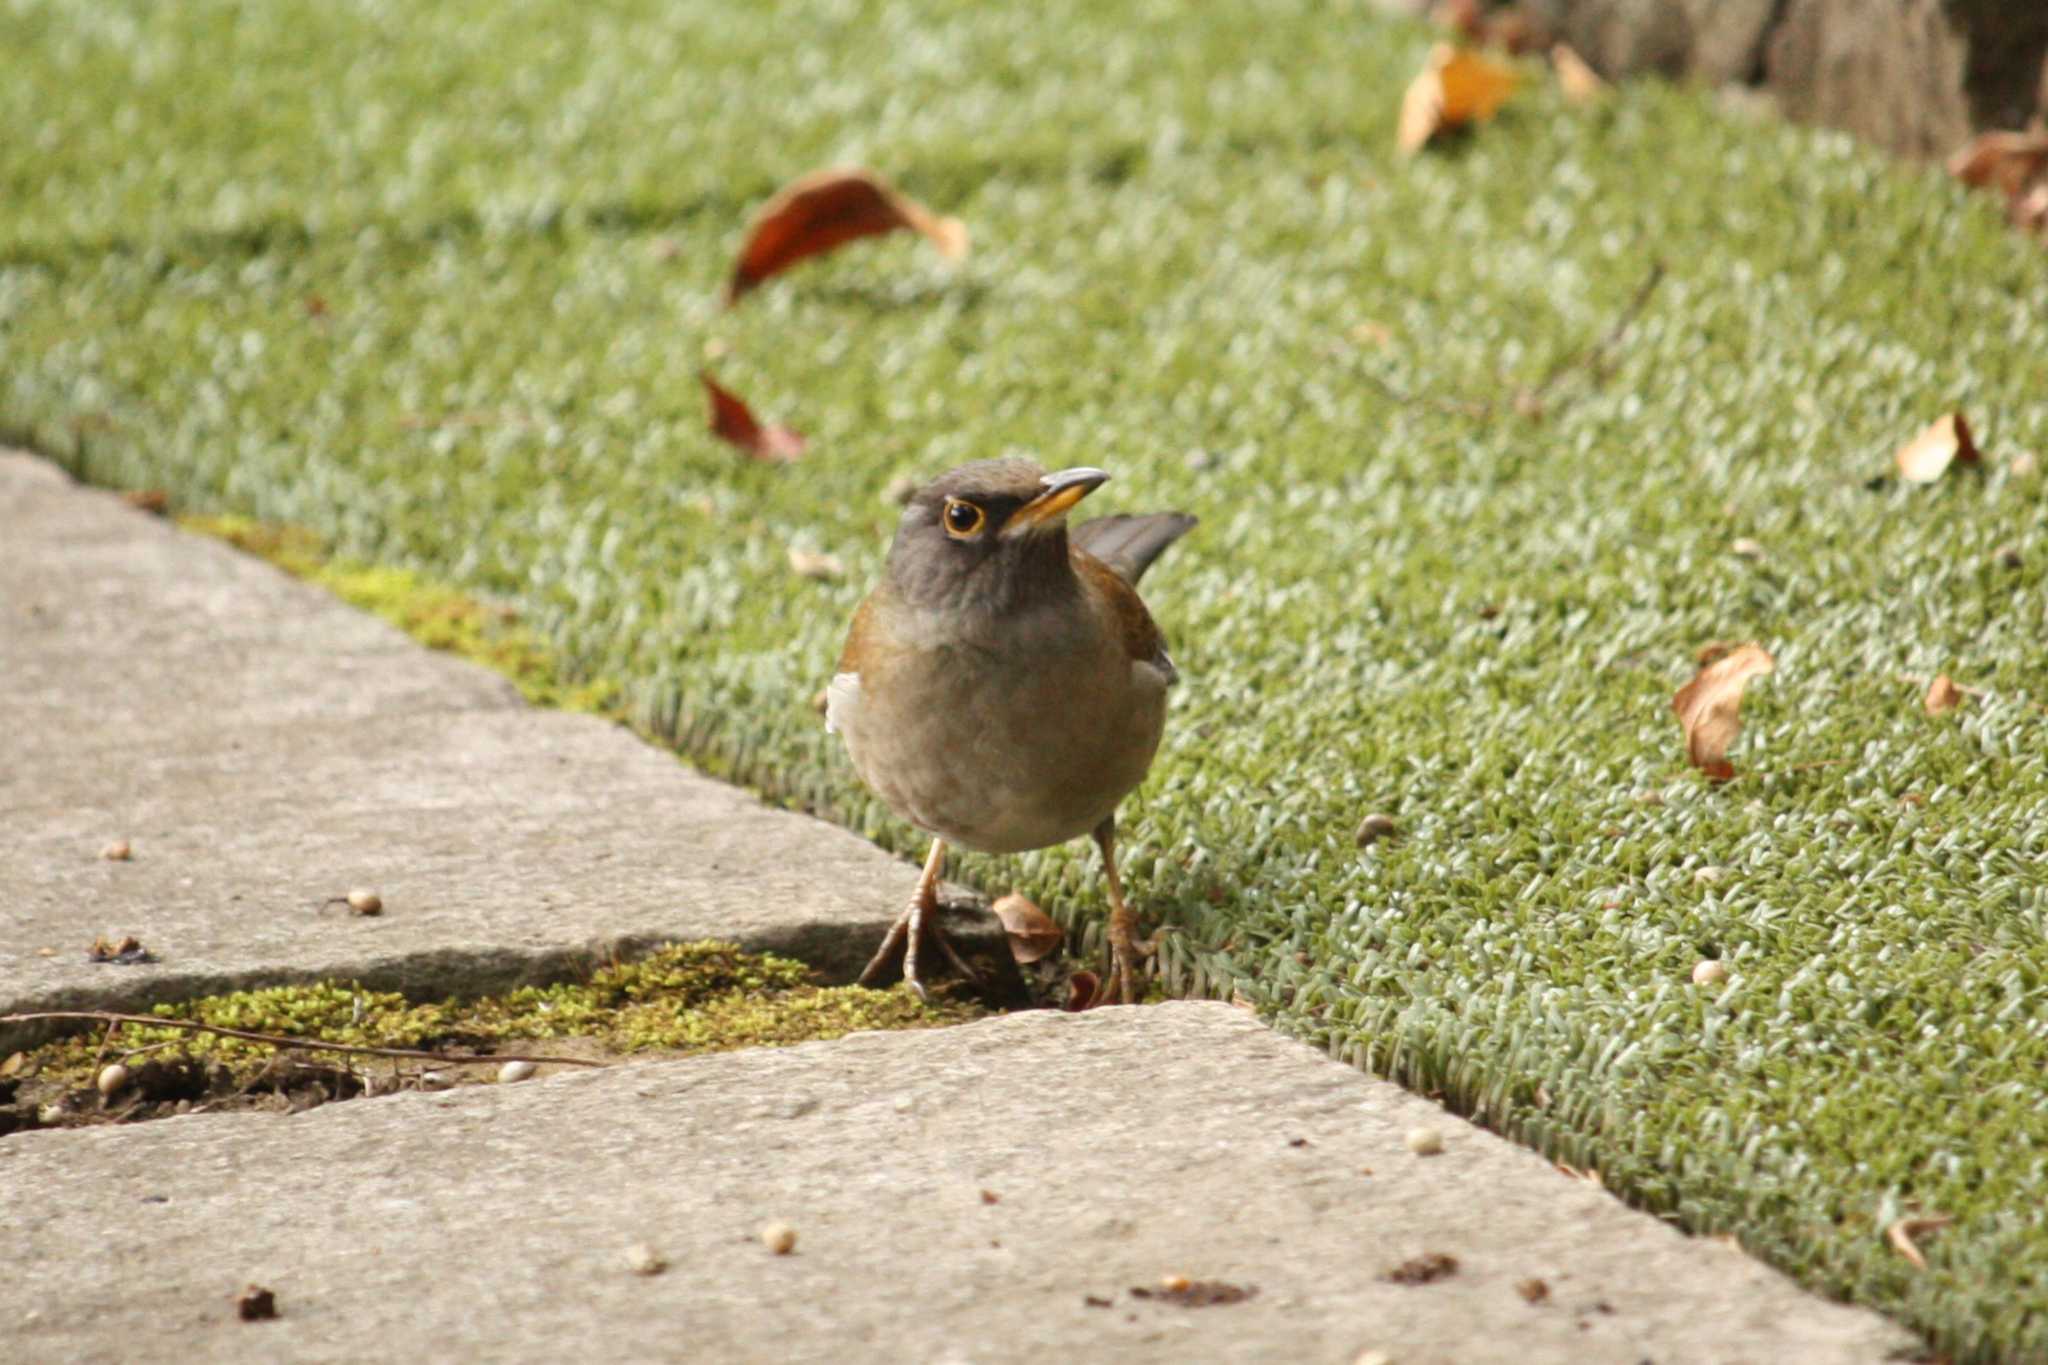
643 1259
364 901
435 1080
112 1077
513 1072
1708 972
1425 1141
779 1238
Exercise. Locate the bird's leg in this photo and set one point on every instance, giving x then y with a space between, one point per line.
920 919
1124 948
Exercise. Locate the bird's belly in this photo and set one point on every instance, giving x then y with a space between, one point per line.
1006 763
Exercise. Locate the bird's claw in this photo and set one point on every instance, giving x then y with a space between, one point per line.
917 925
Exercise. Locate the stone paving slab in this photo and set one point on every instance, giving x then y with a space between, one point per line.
1119 1146
264 747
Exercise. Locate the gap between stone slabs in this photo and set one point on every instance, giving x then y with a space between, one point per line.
264 748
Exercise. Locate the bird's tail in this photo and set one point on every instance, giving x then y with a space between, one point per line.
1129 544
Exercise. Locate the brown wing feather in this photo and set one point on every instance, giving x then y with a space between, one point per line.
1141 637
857 636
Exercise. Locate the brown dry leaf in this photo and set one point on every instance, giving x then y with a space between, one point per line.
1580 83
826 209
1902 1233
1031 931
2001 161
1943 695
1457 87
732 420
1427 1268
1927 456
1084 991
1710 707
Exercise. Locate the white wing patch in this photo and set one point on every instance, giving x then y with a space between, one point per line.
842 699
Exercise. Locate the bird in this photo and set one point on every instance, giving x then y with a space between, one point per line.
1003 686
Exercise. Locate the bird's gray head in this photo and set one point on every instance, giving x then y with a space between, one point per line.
989 535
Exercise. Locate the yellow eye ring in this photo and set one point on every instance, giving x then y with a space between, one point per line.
962 518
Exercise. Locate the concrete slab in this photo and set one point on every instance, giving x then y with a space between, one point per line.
1119 1146
264 747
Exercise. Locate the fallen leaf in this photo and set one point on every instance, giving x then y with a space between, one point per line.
1927 456
2001 161
1178 1289
1902 1233
1943 696
827 209
1031 931
733 421
1084 991
152 500
1533 1290
811 564
129 952
1424 1269
1579 83
1457 87
1710 707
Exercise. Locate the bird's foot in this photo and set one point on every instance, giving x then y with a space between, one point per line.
1126 952
917 926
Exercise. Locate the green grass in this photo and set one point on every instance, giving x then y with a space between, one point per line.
516 221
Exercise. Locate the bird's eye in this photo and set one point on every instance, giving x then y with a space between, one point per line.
963 518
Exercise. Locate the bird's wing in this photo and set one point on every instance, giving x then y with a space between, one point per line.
1129 544
1134 625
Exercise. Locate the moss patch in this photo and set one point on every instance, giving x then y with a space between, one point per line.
681 1000
436 615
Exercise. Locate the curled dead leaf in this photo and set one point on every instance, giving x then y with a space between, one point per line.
2001 161
1902 1233
734 422
1032 932
1709 707
1084 991
1943 696
1580 83
1927 456
815 213
1456 88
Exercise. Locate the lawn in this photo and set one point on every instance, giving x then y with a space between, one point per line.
435 281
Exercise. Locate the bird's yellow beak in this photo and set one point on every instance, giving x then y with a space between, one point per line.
1062 491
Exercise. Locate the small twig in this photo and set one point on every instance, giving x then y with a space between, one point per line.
1592 356
1462 407
281 1041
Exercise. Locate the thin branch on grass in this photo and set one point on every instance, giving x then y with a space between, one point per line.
283 1042
1529 401
1902 1233
1594 357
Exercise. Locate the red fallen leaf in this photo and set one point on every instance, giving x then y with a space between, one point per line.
826 209
1031 931
732 420
1927 456
1943 695
1710 707
1084 991
2002 161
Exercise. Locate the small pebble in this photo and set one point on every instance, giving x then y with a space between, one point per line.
1373 1358
112 1077
365 901
435 1080
643 1259
513 1072
1175 1284
1708 972
256 1304
1425 1141
117 852
1374 828
779 1238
